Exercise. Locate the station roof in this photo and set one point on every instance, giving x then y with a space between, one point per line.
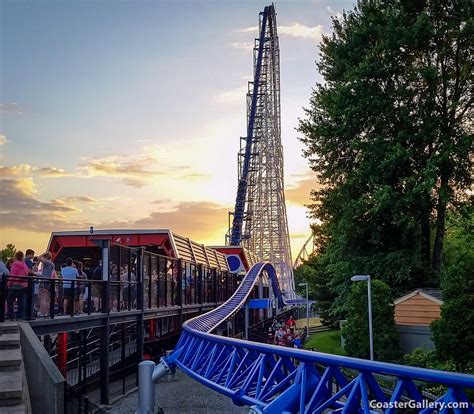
174 245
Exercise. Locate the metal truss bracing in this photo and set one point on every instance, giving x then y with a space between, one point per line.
306 251
260 220
275 379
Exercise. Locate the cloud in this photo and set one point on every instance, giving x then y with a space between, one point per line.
301 193
236 95
78 199
293 30
197 220
30 170
300 30
242 45
134 170
10 108
3 140
195 176
21 209
333 12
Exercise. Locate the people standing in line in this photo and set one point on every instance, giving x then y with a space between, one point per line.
3 269
69 273
29 261
9 263
47 270
97 286
29 255
290 323
279 335
37 272
114 286
18 286
81 287
297 342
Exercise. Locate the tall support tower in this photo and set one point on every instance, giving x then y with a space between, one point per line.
259 218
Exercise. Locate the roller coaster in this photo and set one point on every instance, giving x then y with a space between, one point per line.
275 379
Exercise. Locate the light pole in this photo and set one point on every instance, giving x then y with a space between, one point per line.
358 278
307 307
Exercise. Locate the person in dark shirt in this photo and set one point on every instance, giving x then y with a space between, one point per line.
97 287
29 254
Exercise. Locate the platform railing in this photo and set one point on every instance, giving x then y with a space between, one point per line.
29 297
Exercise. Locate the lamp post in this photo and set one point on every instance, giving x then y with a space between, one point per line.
307 307
358 278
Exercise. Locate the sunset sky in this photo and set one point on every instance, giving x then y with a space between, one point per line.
128 114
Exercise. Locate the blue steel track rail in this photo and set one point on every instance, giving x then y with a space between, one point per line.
236 233
274 379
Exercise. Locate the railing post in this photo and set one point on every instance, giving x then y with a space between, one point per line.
140 327
105 334
180 288
89 297
3 297
52 297
146 388
29 299
106 275
73 297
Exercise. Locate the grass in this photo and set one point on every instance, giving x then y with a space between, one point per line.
328 342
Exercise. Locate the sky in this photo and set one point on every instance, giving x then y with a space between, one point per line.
127 114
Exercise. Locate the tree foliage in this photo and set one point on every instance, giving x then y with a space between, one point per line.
454 332
389 134
8 252
313 271
356 329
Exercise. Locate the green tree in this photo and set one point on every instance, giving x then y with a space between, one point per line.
454 332
8 252
313 271
356 329
389 134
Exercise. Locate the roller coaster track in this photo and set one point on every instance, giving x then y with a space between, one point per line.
274 379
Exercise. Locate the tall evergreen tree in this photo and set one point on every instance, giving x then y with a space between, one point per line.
390 135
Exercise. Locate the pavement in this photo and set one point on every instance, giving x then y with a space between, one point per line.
180 394
313 322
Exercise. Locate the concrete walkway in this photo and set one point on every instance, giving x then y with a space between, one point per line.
182 395
313 322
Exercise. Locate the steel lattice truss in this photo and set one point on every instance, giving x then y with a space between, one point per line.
260 221
276 379
306 251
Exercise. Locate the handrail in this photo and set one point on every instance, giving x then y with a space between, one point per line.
274 379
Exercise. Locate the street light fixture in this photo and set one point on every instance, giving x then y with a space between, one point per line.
307 307
360 278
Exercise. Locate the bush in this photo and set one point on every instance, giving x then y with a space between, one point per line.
356 330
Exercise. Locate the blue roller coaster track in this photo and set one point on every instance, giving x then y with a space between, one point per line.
275 379
236 235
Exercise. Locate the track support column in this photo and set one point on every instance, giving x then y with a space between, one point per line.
246 328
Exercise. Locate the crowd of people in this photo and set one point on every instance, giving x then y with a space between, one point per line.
71 291
284 333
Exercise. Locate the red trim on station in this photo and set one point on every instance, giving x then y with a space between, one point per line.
235 250
58 242
152 330
62 353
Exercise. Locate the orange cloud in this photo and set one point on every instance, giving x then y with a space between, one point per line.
301 194
201 221
29 170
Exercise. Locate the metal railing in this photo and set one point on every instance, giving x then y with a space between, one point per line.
275 379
